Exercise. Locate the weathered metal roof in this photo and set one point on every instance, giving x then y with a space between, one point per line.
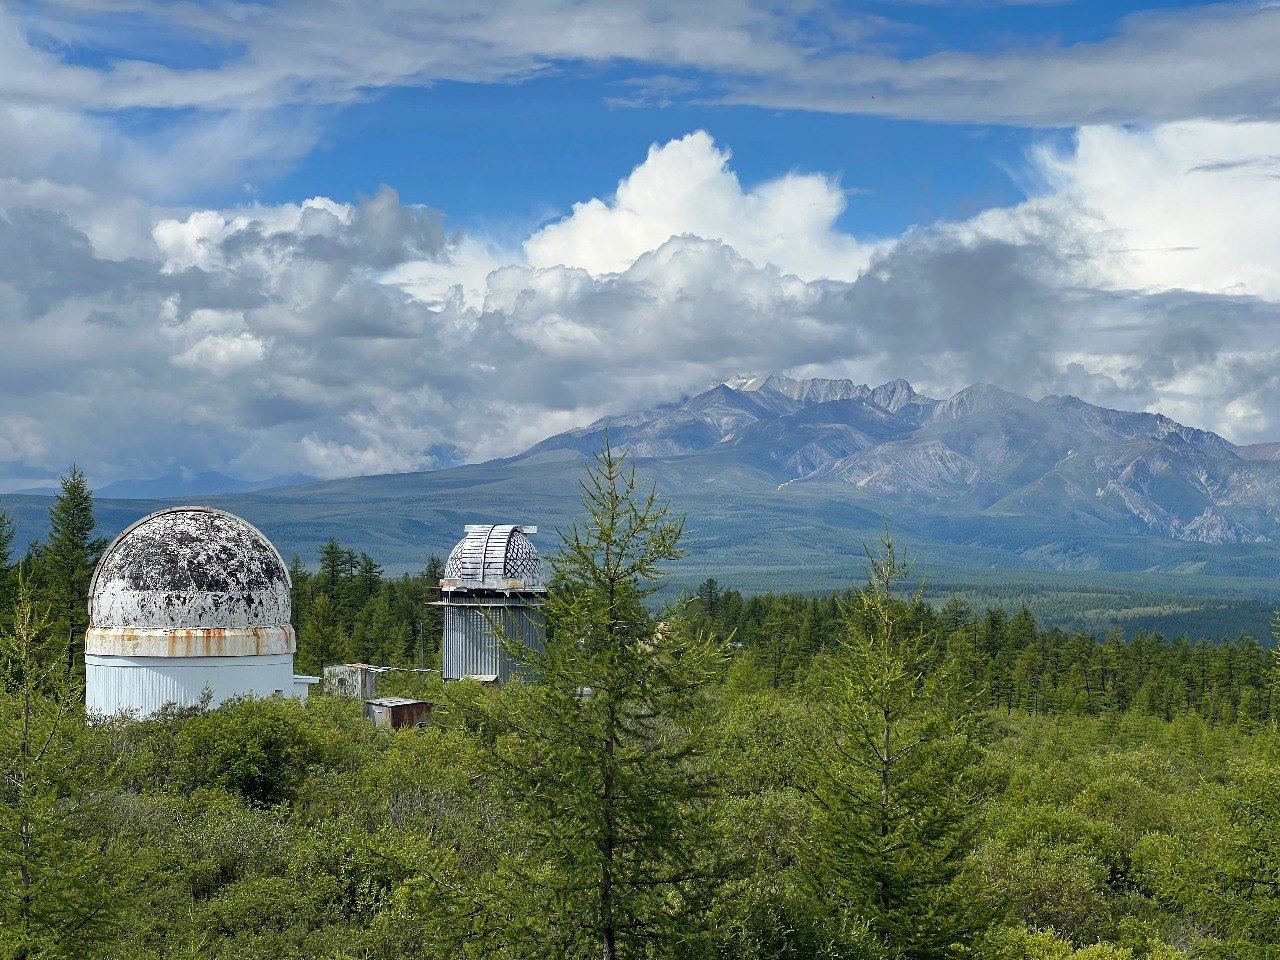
190 568
495 556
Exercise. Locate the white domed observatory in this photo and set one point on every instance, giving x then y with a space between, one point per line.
186 599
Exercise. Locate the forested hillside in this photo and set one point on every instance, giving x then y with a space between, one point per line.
856 775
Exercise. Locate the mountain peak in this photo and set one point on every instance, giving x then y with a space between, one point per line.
815 390
984 449
978 398
892 395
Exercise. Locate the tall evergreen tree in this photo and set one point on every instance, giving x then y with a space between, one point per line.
599 755
299 592
368 578
779 643
68 559
321 641
57 867
429 622
377 637
956 614
892 773
709 596
8 572
333 567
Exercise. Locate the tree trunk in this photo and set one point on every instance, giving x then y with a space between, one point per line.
885 760
608 933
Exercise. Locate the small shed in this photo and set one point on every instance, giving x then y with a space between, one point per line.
397 712
358 680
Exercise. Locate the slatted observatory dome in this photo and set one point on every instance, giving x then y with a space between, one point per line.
492 587
497 555
186 599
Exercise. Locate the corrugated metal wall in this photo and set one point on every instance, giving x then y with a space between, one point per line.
146 684
472 648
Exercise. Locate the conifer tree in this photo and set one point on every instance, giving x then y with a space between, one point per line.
709 596
892 773
956 613
299 592
321 641
333 567
368 578
429 621
56 862
68 559
780 643
377 636
8 573
600 755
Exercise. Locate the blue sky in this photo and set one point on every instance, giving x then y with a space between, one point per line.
339 239
524 151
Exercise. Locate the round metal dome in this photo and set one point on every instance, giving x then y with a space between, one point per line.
190 568
496 555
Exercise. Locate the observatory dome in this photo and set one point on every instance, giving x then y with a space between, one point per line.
190 568
496 556
491 593
185 601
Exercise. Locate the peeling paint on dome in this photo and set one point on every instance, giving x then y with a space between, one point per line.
190 568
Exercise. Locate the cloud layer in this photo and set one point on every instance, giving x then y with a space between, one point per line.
147 335
94 94
337 339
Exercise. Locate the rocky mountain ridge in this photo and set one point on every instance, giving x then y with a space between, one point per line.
983 450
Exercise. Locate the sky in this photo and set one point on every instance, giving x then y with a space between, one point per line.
336 239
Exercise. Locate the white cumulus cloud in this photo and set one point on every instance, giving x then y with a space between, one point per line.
687 187
1191 205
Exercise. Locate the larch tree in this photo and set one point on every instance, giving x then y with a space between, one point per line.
321 641
709 597
600 753
8 573
429 623
892 771
299 591
368 578
57 866
67 561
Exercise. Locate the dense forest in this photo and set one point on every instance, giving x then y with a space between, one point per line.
861 775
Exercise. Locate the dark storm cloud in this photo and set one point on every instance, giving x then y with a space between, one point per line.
45 260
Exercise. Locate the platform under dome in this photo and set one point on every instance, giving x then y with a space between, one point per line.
187 599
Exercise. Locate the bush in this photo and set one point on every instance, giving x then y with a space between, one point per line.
259 749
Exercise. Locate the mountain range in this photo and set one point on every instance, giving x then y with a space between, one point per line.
984 451
784 480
